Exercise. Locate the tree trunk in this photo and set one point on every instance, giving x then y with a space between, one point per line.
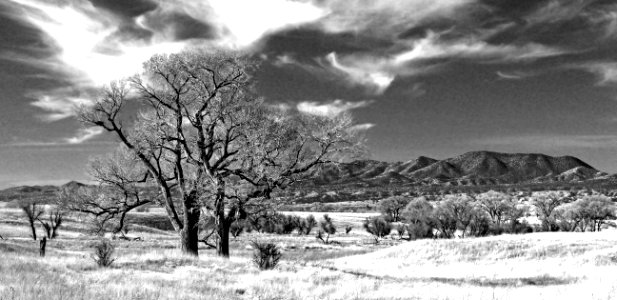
42 245
189 235
33 230
222 247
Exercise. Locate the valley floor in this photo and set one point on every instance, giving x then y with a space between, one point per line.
533 266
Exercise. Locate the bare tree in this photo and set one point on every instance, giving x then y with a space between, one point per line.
545 206
392 207
32 211
54 221
496 204
206 141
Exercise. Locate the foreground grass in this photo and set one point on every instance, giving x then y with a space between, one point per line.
534 266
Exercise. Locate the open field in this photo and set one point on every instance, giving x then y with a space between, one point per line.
533 266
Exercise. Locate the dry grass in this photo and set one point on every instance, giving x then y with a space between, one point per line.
535 266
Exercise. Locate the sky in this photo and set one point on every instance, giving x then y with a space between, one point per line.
422 77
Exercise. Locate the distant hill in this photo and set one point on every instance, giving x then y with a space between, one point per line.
40 193
471 168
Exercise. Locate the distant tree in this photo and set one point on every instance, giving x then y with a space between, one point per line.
392 207
444 219
590 211
205 140
462 209
545 206
32 211
419 215
496 204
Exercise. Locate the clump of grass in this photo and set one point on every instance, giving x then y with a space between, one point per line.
266 255
103 253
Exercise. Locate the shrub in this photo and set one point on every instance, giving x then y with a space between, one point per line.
419 231
266 255
419 214
327 228
307 225
378 227
236 228
103 253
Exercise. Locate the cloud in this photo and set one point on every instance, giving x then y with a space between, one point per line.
59 107
247 21
432 47
84 134
514 75
361 127
385 18
606 71
377 72
361 72
333 108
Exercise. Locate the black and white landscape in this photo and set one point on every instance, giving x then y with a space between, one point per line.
308 149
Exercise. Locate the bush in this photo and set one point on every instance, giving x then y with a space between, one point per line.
266 255
236 228
378 227
307 225
326 228
419 231
103 253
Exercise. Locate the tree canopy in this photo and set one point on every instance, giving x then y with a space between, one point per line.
207 141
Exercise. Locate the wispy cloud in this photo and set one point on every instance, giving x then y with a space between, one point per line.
361 72
606 71
385 18
513 75
432 47
59 107
361 127
335 107
84 134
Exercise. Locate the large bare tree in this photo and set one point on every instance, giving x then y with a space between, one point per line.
207 142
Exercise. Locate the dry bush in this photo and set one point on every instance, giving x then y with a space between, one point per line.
378 227
103 253
266 255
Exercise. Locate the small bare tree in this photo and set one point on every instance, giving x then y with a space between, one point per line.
32 211
54 220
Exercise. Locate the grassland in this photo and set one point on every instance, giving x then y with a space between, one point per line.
534 266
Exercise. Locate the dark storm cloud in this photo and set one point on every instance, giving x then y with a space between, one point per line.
179 25
126 8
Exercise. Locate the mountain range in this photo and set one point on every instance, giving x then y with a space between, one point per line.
471 168
477 168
